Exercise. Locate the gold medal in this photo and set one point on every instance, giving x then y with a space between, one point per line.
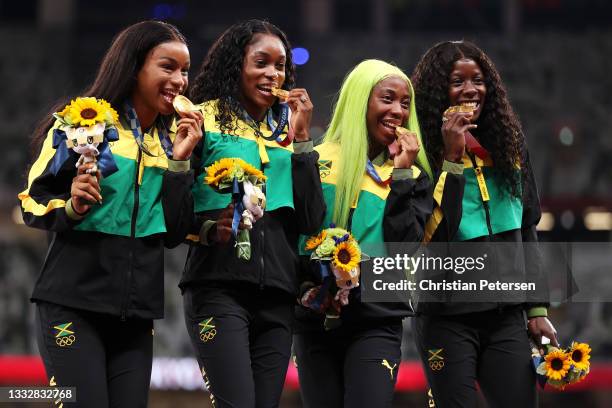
183 105
457 108
280 93
401 131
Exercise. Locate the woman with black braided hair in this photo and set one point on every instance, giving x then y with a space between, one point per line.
239 313
476 148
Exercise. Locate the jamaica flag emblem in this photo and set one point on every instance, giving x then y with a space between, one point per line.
64 336
325 168
208 330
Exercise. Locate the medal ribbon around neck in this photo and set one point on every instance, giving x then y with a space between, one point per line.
162 132
276 130
374 174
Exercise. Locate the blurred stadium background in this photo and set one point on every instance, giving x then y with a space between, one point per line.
555 57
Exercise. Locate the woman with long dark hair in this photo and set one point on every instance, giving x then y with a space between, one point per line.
239 312
101 284
478 147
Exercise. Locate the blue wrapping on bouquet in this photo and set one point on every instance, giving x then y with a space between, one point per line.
242 237
105 161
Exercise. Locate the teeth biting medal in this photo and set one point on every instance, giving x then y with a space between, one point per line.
183 105
281 94
401 131
468 107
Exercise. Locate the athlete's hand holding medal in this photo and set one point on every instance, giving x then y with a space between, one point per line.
189 128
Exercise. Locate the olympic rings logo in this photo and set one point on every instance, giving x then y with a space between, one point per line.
436 365
65 341
209 335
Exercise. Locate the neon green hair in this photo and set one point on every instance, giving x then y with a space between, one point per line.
348 128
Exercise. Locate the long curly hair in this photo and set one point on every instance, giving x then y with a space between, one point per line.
348 128
221 71
499 129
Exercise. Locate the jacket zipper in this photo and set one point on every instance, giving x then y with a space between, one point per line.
128 278
485 204
261 259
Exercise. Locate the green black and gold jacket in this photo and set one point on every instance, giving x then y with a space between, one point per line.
390 212
111 260
470 205
294 205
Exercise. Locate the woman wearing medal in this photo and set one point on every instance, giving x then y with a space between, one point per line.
479 155
101 285
239 312
378 198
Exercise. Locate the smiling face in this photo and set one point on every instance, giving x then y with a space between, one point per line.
467 86
162 77
263 68
388 108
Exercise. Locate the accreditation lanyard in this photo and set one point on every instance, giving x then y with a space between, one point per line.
482 185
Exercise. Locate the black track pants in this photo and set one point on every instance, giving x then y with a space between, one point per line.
349 367
242 339
106 359
491 348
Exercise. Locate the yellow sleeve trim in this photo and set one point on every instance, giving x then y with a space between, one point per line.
439 190
179 166
71 213
208 224
540 311
29 205
46 154
432 224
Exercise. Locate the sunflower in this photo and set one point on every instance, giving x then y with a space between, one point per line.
111 115
87 111
65 111
346 256
251 170
557 364
217 171
315 241
579 355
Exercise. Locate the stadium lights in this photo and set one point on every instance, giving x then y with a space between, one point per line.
547 222
597 219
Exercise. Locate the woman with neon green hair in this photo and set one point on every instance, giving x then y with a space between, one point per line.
375 180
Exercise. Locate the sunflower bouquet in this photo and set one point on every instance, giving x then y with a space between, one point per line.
336 250
85 124
246 183
562 367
